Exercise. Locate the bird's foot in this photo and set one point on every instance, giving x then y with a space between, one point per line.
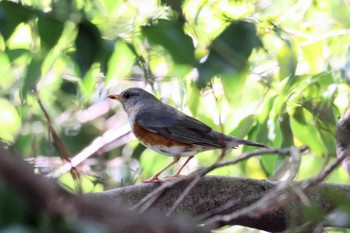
172 176
153 179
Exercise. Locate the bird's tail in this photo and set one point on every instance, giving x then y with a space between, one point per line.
233 142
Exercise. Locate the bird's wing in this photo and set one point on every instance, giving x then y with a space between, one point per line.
175 125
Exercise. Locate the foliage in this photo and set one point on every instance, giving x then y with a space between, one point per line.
276 72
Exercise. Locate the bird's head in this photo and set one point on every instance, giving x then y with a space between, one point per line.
133 98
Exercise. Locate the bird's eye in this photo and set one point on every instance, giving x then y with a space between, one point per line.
126 95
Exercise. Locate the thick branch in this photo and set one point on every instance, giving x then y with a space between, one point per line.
47 196
213 192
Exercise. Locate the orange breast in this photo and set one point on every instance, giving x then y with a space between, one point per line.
162 144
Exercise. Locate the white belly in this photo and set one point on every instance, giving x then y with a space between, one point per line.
173 150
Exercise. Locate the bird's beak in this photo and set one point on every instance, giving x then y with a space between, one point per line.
115 97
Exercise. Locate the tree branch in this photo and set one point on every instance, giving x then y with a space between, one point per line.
47 196
213 192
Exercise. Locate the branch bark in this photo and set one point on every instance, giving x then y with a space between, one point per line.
47 196
213 193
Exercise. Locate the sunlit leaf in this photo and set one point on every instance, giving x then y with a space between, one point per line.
229 52
12 14
193 100
304 129
233 85
287 58
314 55
10 121
121 61
171 36
88 83
13 54
287 134
276 134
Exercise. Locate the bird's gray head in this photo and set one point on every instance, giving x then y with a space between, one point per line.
133 97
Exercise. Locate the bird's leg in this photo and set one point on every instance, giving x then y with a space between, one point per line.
155 178
179 171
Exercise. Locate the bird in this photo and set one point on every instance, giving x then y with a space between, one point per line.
169 131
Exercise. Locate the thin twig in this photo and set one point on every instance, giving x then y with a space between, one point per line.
60 146
295 158
249 155
108 137
57 142
327 170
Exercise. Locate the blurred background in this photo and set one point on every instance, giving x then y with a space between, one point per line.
275 72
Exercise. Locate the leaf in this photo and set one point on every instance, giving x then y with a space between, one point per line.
287 58
50 31
243 127
121 61
314 55
88 83
229 52
88 44
193 100
32 76
277 133
233 85
13 54
287 134
12 14
138 150
10 121
171 36
304 129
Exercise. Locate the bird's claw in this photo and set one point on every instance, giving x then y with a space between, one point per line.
153 180
172 176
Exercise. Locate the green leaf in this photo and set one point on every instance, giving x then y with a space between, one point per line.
314 55
50 31
287 58
287 134
305 130
32 76
229 52
11 15
88 45
171 36
277 137
88 84
236 42
243 127
121 61
13 54
10 121
233 85
193 100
